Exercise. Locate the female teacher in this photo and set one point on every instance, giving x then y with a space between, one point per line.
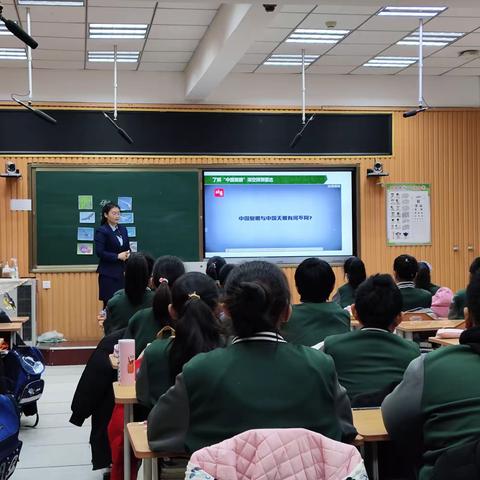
113 248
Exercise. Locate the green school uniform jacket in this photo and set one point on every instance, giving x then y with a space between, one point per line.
256 382
311 323
119 310
143 327
370 359
459 302
414 297
153 378
345 295
437 405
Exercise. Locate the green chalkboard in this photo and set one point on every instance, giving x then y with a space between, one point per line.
164 204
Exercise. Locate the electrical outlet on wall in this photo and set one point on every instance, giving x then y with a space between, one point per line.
46 284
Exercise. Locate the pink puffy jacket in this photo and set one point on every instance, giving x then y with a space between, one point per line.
441 301
280 454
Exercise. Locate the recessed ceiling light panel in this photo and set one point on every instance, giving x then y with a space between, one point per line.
312 35
289 60
57 3
107 57
412 11
116 30
13 54
391 62
434 39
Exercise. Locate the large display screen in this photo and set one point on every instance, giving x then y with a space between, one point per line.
283 214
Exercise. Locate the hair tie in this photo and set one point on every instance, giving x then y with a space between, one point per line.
194 295
163 280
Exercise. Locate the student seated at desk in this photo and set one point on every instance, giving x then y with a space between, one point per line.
259 381
423 278
372 360
144 325
135 296
192 307
315 318
459 301
355 274
406 268
437 404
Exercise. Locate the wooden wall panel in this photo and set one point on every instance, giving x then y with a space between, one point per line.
437 147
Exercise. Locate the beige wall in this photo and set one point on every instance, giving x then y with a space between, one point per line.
437 147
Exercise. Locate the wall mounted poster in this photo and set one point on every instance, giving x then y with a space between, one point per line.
408 214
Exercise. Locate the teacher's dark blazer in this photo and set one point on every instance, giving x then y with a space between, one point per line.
107 248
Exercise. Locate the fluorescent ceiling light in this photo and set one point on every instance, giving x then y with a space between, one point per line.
122 57
312 35
61 3
4 30
13 54
391 62
115 30
435 39
412 11
289 60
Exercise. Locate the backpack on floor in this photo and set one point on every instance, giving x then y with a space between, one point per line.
24 366
10 445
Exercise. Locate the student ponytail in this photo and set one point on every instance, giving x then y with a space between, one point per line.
136 278
194 299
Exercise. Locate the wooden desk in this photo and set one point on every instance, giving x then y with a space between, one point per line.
407 329
113 361
444 342
11 327
125 395
370 426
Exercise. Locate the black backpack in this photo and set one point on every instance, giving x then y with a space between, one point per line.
459 463
10 445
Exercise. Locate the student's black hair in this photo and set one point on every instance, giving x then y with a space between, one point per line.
166 270
105 209
224 273
406 267
136 278
314 279
356 273
194 298
378 301
150 262
256 295
214 265
346 264
423 278
474 266
473 298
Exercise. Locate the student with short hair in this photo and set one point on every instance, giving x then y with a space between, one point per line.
423 279
133 298
315 318
194 302
354 270
459 301
371 361
437 404
144 325
406 268
259 381
214 265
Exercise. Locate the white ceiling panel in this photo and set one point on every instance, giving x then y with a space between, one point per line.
296 8
58 29
168 57
9 41
109 66
252 58
408 51
171 45
450 62
243 68
343 60
470 40
287 20
201 5
262 47
429 71
344 22
351 49
58 65
183 17
452 24
452 51
461 12
54 14
375 71
58 43
9 12
275 70
119 15
125 44
310 48
58 55
177 32
15 64
347 9
329 69
374 37
464 72
273 34
388 23
472 64
162 67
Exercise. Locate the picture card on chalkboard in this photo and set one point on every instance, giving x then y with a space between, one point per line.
84 248
87 217
126 217
125 203
85 202
134 247
132 232
85 234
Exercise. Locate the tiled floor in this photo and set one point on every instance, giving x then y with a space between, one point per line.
56 449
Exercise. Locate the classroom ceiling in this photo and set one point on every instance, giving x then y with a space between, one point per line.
176 31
